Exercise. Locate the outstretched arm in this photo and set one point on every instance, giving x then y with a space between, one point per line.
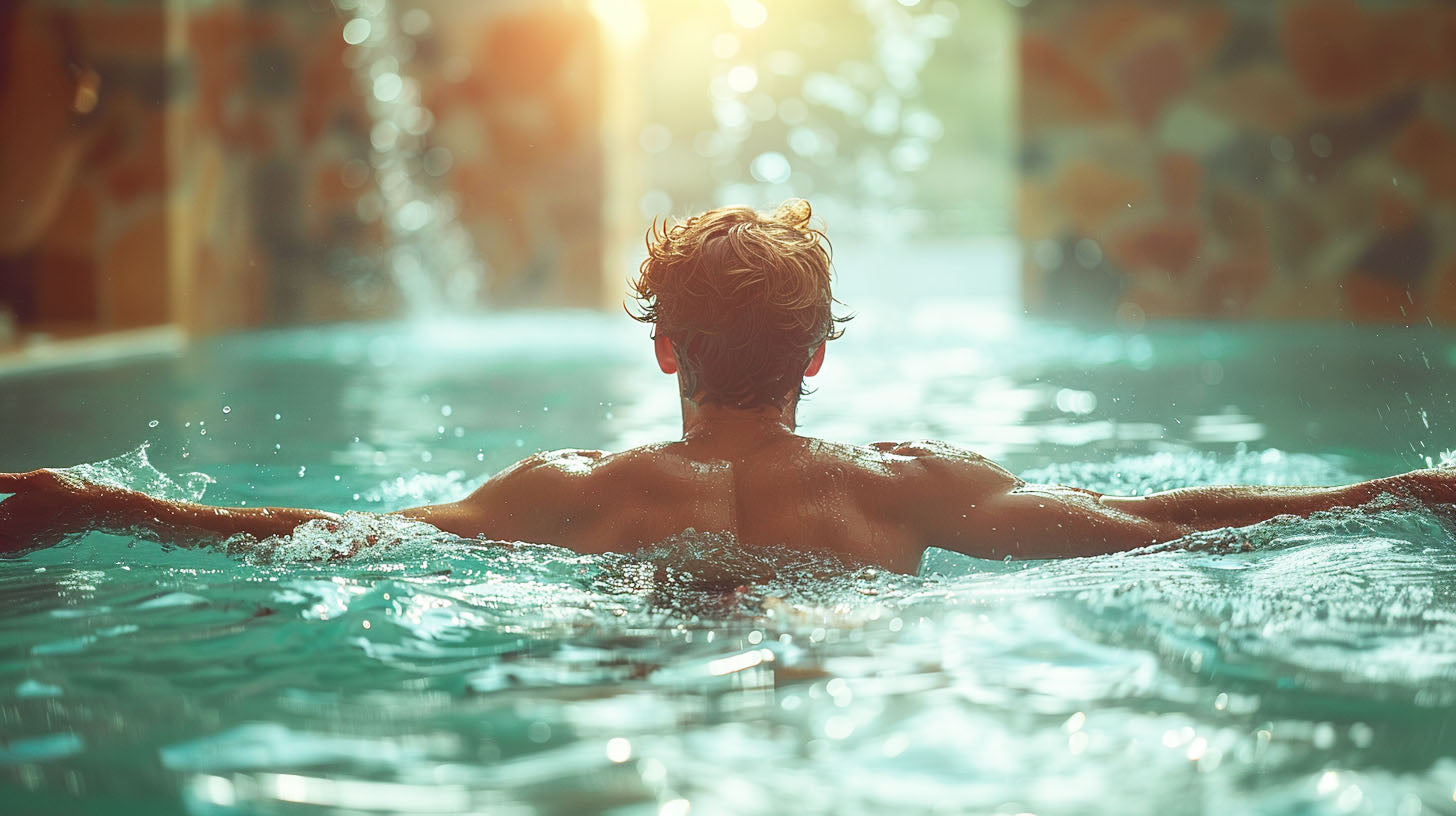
47 506
981 509
533 500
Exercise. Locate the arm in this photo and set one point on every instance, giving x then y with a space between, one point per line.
534 500
1008 517
47 506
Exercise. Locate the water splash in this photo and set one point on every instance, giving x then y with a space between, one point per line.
853 135
432 258
134 471
1287 676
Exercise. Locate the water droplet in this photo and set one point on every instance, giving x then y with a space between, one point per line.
387 86
770 168
742 78
619 749
357 31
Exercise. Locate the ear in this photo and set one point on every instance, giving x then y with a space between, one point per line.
816 361
666 359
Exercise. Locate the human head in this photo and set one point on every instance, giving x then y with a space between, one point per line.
744 299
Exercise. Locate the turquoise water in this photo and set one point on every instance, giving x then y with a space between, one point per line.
1300 666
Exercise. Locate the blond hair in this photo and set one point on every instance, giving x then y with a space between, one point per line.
745 299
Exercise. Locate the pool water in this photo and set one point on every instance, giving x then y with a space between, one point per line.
1299 666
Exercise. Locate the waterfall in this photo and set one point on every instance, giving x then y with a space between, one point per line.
432 258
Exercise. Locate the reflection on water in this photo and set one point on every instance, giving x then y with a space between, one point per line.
1314 672
1298 666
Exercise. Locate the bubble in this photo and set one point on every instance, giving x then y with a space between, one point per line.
383 135
771 168
388 86
415 22
909 155
357 31
730 114
413 216
154 423
743 78
1047 254
227 409
619 749
1281 149
417 120
747 13
1073 401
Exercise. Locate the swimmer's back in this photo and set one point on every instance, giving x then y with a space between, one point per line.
875 504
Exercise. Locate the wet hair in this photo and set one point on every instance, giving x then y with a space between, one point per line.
745 299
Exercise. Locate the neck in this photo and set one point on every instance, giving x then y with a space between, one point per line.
705 421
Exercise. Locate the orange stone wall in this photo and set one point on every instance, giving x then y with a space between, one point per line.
226 180
515 89
1239 160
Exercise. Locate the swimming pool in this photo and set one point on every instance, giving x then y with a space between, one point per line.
1312 673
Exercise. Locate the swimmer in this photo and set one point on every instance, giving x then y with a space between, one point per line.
742 311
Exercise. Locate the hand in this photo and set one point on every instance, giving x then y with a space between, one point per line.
46 507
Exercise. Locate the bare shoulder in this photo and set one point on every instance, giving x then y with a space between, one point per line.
545 471
576 468
569 461
943 464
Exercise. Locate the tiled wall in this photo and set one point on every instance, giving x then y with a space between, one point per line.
1243 159
228 176
1178 158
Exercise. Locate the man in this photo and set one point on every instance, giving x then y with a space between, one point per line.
742 309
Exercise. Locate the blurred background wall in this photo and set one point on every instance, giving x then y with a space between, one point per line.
218 164
249 162
1285 160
